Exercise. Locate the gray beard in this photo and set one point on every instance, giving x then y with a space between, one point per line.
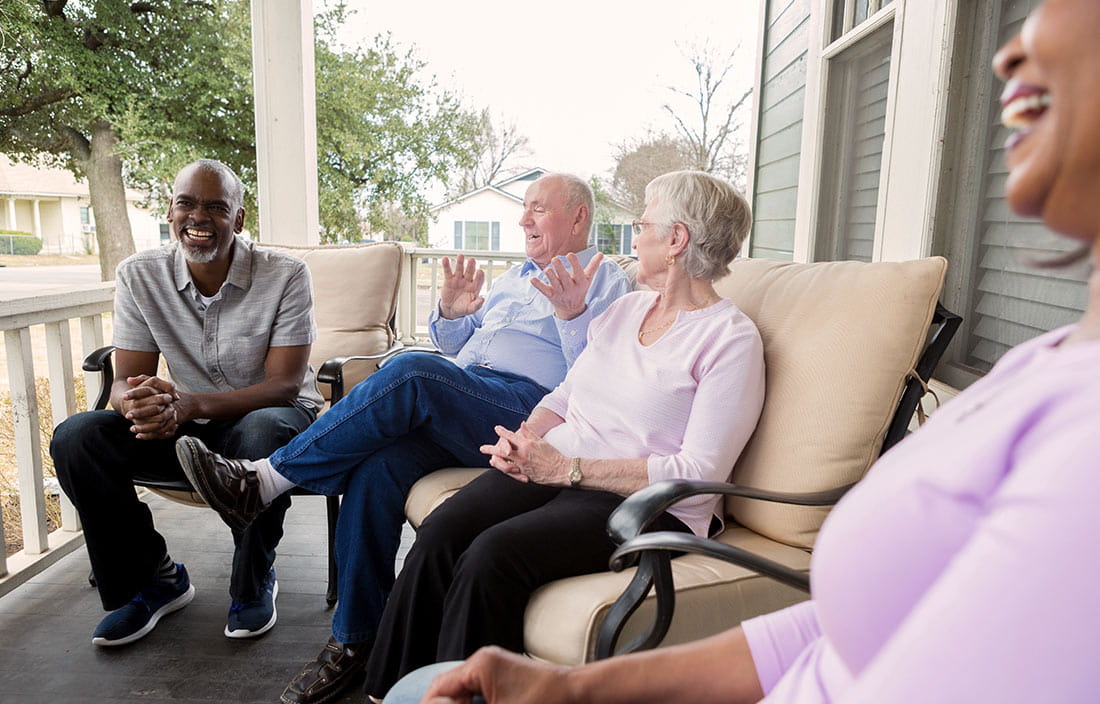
198 256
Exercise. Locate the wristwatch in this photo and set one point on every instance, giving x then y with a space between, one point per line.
575 474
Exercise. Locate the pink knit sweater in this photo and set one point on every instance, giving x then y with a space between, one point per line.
687 403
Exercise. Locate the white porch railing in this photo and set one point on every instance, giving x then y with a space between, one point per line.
17 316
420 282
423 268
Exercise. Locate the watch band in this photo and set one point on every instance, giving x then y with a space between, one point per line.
575 474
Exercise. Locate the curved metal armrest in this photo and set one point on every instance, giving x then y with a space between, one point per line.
686 542
642 507
100 361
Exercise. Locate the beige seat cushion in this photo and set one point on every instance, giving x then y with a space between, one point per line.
430 491
354 298
839 338
563 617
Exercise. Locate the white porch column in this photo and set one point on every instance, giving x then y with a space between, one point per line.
286 129
37 210
11 214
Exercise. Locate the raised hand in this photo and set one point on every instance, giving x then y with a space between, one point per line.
568 287
461 292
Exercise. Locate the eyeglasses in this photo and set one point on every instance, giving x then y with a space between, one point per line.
637 225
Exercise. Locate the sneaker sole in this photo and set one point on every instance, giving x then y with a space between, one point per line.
175 605
242 633
188 459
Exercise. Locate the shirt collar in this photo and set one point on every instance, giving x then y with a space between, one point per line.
240 269
585 256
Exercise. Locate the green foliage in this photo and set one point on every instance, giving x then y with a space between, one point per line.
17 242
384 135
173 80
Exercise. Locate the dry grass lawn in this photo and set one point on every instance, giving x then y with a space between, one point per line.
48 259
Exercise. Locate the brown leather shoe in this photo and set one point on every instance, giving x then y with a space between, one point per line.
230 487
338 667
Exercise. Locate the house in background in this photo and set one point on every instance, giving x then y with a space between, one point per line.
55 207
486 219
876 135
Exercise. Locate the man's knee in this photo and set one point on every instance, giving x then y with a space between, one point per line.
263 431
78 435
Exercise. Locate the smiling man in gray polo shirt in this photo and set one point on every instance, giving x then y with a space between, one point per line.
235 324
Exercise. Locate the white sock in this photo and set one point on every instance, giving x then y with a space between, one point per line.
272 484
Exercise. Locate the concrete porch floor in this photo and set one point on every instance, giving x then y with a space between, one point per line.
46 654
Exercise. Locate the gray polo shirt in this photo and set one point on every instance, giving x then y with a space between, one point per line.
265 302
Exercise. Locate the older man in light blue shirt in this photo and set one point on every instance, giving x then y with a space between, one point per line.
422 411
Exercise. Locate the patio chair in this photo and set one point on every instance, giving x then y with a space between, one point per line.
354 300
848 349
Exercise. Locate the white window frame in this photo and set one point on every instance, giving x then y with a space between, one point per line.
915 108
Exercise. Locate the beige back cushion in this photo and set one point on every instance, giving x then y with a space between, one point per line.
354 298
839 339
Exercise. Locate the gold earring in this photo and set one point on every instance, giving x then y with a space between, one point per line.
670 260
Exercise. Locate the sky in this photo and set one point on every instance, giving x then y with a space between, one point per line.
576 76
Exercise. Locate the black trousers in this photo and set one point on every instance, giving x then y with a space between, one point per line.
96 458
475 563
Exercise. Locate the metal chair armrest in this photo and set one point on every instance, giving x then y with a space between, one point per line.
686 542
642 507
100 361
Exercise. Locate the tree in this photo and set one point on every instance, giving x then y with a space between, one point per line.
639 161
384 134
70 72
707 125
499 145
110 88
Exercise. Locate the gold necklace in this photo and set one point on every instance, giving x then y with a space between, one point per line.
643 333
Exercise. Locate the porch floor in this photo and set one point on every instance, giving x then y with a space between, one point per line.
46 654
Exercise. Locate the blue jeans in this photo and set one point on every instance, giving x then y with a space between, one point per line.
97 458
411 688
418 413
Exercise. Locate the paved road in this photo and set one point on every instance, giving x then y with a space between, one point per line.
29 280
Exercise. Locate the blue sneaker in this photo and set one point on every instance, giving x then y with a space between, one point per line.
254 618
136 619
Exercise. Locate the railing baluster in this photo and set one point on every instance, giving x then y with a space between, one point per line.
433 293
91 339
59 353
28 453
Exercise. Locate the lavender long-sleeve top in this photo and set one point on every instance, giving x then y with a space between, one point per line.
964 567
687 404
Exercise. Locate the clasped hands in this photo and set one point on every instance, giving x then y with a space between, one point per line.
566 290
526 457
154 407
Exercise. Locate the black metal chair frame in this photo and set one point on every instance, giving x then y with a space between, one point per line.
330 373
653 552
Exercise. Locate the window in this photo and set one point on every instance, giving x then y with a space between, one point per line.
86 225
477 234
1003 299
856 100
165 232
848 14
611 238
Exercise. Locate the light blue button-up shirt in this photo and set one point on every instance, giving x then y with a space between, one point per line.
515 330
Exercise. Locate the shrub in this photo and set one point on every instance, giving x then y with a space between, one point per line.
16 242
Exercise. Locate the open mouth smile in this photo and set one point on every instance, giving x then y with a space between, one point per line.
1022 106
198 235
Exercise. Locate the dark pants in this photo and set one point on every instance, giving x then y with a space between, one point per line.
97 457
475 563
